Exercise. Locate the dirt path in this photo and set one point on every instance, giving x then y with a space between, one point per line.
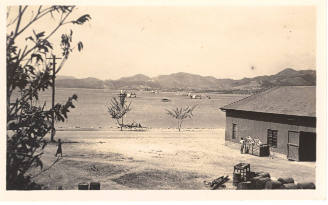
156 159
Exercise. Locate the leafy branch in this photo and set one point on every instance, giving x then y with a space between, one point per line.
28 73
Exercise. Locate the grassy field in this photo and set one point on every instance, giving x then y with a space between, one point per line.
155 159
147 109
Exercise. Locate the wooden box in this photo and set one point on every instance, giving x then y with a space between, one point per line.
261 151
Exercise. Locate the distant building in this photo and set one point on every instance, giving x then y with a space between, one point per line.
282 117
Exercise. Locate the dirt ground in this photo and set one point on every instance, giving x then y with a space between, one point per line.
155 159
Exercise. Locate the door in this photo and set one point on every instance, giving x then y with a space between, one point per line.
293 148
307 146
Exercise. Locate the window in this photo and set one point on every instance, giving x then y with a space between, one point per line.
234 130
272 138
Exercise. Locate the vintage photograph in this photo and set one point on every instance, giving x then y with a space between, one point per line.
150 97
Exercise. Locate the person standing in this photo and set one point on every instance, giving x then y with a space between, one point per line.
242 147
59 149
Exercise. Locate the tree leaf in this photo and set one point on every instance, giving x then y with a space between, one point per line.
39 35
42 47
37 56
29 38
82 19
47 43
80 46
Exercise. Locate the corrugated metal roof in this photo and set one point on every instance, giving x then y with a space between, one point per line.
287 100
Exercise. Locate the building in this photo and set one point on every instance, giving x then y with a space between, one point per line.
282 117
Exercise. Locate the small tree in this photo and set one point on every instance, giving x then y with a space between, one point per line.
181 114
118 108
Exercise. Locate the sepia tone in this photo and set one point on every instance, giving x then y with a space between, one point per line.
161 98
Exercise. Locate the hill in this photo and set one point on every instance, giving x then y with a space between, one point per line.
79 83
187 81
138 81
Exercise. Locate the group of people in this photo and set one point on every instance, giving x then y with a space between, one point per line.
246 143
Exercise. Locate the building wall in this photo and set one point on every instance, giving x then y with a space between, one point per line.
256 125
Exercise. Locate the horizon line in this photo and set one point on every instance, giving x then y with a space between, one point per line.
181 72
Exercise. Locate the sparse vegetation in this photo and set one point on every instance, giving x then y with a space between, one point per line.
118 108
180 114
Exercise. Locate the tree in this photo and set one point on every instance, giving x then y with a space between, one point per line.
180 114
118 108
29 73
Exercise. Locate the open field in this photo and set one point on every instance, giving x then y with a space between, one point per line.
155 159
158 157
147 109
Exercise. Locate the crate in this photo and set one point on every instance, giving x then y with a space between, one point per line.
262 151
242 171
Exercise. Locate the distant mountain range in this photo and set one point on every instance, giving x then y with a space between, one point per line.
186 81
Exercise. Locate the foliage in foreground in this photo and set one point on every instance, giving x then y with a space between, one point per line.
29 73
180 114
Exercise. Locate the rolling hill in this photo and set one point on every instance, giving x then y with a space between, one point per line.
187 81
65 82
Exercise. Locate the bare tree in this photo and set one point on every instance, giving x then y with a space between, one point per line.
118 108
180 114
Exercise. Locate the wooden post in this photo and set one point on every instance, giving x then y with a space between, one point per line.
53 96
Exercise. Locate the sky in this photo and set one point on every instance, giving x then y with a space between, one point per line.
219 41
